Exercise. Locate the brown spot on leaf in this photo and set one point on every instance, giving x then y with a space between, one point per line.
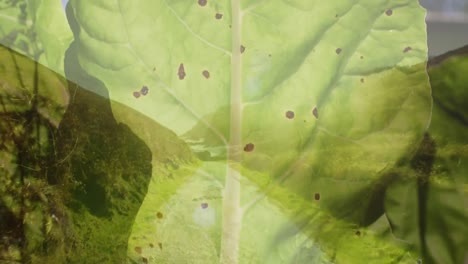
358 233
181 72
317 196
202 2
389 12
160 245
138 250
136 94
242 49
407 49
144 260
144 90
159 215
315 112
362 80
249 147
289 114
218 16
151 245
338 50
206 74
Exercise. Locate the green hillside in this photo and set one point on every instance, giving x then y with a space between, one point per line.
73 177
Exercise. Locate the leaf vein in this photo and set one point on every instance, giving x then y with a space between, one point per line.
166 88
187 27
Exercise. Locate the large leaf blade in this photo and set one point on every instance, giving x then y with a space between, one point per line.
329 64
321 112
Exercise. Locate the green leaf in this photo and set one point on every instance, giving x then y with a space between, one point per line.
447 81
449 125
358 64
448 203
427 204
16 31
185 226
37 29
54 34
321 97
447 232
